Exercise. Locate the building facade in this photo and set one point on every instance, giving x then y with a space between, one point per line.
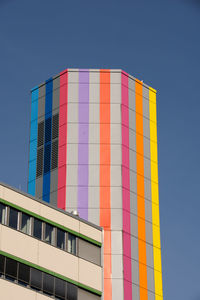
93 148
46 252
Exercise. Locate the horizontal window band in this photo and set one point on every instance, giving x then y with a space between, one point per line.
85 287
80 235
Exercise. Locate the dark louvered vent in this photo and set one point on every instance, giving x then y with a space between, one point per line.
39 162
40 134
47 158
54 155
55 123
48 130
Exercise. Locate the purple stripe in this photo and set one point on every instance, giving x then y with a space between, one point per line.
83 133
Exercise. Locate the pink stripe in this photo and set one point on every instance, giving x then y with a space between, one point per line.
126 191
62 145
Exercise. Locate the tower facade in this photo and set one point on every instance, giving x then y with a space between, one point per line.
93 148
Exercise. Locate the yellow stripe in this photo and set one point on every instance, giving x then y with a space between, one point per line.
155 197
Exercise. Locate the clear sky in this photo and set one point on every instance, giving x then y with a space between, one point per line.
157 41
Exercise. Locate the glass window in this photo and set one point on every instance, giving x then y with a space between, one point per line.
2 263
71 292
60 288
36 279
2 214
37 229
11 268
13 218
24 273
26 222
60 238
49 233
48 284
71 243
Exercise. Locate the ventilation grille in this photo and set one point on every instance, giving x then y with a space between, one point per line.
54 155
47 145
40 134
39 162
55 123
47 158
48 130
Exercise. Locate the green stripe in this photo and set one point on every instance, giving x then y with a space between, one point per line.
51 273
82 236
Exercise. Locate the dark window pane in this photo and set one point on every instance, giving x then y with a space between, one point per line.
55 123
40 141
71 243
2 214
60 288
13 218
36 279
39 162
47 130
49 234
24 273
48 284
2 263
11 268
71 292
26 223
47 158
37 229
54 155
60 239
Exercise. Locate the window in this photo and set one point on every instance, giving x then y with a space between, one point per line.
13 218
60 239
41 281
37 229
2 264
2 214
60 288
71 243
71 292
89 252
25 223
11 269
48 284
36 279
49 234
23 274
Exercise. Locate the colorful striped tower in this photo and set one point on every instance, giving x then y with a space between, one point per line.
93 148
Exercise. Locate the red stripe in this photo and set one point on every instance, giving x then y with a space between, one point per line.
62 145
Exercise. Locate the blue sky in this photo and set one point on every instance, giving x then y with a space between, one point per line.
156 41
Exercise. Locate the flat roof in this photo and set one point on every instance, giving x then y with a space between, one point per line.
51 206
97 70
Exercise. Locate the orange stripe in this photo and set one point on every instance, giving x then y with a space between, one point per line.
140 191
105 214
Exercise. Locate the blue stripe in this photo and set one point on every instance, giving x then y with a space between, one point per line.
33 145
47 146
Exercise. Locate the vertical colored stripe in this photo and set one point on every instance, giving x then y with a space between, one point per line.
62 143
155 197
47 138
140 191
83 133
94 154
33 142
126 189
105 213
